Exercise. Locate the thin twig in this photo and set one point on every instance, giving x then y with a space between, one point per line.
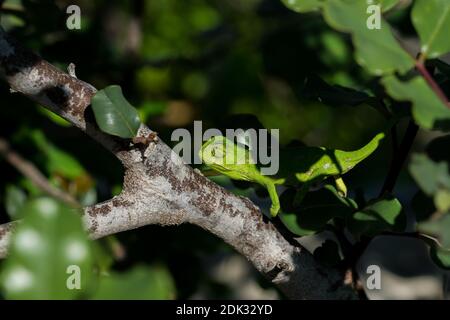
30 171
420 65
400 156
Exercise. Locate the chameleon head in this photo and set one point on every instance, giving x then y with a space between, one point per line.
213 151
221 153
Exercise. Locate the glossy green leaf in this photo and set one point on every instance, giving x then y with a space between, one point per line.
48 251
303 5
376 49
428 110
114 114
14 201
382 215
316 210
429 175
431 18
140 283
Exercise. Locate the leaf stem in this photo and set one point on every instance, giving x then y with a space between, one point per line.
420 65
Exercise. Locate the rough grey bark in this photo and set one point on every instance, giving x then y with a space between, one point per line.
160 189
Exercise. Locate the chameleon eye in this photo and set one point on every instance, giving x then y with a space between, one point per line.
213 152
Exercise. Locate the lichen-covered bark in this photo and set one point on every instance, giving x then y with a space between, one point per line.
160 189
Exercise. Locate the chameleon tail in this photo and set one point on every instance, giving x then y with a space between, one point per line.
353 157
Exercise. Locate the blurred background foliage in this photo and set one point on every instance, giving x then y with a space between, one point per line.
180 61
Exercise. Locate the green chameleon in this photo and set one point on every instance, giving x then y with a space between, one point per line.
298 166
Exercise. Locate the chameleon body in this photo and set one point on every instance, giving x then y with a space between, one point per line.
298 166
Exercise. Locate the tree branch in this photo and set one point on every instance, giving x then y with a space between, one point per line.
160 189
5 236
29 170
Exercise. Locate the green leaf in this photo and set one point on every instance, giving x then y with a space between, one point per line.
103 257
429 175
387 4
57 160
382 215
315 5
440 256
442 200
439 242
140 283
316 210
428 110
14 200
376 50
439 228
303 5
151 109
114 114
431 18
47 251
433 178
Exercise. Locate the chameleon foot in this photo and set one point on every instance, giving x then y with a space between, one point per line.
341 187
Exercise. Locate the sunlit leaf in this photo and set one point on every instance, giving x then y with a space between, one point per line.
376 49
431 19
381 215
